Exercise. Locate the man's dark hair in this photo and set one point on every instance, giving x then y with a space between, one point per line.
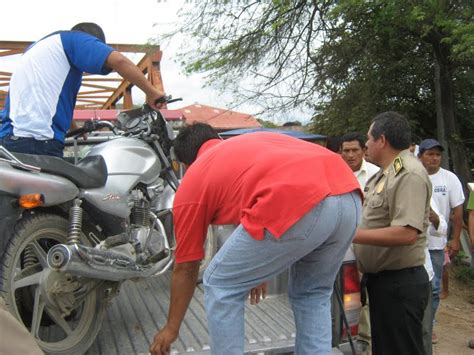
190 139
394 127
354 136
91 28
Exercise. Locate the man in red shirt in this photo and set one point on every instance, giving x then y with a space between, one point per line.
297 206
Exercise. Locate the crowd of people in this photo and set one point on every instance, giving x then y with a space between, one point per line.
297 205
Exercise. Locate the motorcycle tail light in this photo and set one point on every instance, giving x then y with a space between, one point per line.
31 201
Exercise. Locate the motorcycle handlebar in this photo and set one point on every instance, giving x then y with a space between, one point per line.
91 126
167 99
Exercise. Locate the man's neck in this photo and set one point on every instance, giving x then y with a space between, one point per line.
359 168
432 172
388 158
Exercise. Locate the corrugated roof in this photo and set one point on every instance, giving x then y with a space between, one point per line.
218 118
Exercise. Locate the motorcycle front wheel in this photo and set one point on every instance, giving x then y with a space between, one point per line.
62 312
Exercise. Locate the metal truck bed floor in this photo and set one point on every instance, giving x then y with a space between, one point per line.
134 316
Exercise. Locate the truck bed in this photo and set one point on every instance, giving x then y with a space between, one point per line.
134 316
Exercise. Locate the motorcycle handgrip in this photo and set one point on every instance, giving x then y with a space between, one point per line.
167 99
90 126
75 132
174 100
162 100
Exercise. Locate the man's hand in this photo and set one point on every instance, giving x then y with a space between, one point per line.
453 248
163 340
434 218
153 99
257 293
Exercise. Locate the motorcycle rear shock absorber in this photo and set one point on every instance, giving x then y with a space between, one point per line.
75 223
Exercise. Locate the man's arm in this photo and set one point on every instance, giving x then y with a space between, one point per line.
455 243
183 283
471 227
129 71
386 237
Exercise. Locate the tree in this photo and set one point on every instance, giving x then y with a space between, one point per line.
346 60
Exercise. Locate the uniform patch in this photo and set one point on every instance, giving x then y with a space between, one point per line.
397 165
380 186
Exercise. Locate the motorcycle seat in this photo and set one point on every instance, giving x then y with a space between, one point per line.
90 172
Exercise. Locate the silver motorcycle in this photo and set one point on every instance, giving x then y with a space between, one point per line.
74 232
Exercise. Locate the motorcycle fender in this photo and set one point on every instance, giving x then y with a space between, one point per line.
55 189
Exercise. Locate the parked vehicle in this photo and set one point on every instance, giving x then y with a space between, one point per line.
77 232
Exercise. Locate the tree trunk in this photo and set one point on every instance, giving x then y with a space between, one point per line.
440 129
448 131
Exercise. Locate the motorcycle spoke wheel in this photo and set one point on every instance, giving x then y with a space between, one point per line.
63 322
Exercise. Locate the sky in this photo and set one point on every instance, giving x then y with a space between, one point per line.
123 21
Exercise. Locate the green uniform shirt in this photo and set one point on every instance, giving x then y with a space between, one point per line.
398 196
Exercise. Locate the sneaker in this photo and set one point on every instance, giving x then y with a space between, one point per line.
434 338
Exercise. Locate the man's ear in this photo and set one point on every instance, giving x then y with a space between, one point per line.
383 140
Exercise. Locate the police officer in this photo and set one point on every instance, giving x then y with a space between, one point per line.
391 239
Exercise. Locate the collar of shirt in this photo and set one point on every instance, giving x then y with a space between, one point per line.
208 145
363 168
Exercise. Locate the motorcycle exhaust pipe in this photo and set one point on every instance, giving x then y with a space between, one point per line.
85 261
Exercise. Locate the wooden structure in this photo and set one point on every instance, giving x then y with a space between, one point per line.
97 91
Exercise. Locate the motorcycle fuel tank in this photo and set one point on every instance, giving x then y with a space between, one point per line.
129 161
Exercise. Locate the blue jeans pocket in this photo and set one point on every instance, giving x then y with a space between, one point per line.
302 229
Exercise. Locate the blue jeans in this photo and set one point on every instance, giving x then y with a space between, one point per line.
313 249
437 260
27 145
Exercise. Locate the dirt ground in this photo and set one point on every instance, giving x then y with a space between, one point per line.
455 320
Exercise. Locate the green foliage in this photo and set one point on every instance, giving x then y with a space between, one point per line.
267 124
345 60
464 273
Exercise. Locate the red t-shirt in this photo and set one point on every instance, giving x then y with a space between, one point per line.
261 180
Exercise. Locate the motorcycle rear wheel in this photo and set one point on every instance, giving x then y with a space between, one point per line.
63 312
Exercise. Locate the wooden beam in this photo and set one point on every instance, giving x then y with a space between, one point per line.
92 97
127 99
10 52
102 91
91 101
108 88
101 79
119 92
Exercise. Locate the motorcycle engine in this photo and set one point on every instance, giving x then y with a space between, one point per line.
147 240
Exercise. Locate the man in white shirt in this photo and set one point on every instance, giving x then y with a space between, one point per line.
353 151
449 198
437 228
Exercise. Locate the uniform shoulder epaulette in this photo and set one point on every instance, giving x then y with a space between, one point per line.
397 165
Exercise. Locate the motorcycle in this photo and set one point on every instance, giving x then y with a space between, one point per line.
74 233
